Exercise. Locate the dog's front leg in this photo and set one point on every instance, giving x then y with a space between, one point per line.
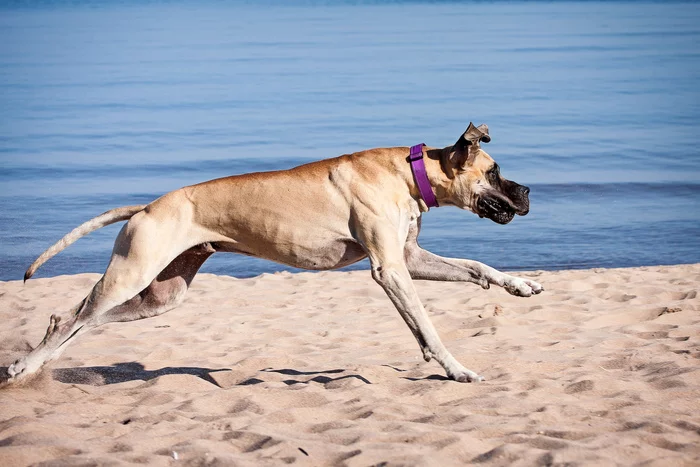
425 265
390 272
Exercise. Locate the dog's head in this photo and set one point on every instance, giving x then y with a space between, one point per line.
476 183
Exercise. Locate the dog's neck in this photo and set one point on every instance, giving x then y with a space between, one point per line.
439 180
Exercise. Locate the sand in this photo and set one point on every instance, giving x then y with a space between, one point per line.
319 369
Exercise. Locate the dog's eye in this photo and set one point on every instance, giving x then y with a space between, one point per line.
494 171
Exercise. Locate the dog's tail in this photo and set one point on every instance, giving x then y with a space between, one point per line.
110 217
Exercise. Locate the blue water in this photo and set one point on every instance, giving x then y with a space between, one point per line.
595 106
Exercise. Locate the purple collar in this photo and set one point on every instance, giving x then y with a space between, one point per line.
421 177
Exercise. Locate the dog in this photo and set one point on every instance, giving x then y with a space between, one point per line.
321 215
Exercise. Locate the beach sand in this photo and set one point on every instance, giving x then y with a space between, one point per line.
319 369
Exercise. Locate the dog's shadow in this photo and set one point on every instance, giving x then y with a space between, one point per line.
134 371
425 378
318 376
130 371
4 376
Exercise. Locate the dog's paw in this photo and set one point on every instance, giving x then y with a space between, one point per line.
522 287
466 377
17 368
535 286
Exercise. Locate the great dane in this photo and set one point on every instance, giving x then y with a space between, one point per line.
321 215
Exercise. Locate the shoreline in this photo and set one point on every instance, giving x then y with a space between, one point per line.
602 367
511 271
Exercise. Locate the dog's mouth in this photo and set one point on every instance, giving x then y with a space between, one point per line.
496 209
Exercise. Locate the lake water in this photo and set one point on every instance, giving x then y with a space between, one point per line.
595 106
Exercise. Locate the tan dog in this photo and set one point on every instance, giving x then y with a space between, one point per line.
322 215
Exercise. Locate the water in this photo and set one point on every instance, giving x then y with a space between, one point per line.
594 105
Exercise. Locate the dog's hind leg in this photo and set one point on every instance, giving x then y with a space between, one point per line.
136 285
165 292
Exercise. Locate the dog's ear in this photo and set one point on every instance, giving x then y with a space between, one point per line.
464 149
476 134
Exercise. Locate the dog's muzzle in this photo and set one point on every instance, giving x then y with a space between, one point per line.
496 209
521 200
502 207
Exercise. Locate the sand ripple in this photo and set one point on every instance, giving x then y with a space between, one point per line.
318 369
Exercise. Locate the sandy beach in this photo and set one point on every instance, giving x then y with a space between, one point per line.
319 369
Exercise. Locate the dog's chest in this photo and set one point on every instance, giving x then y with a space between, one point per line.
311 252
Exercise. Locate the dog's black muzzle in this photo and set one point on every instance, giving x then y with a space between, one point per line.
502 205
520 198
495 208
